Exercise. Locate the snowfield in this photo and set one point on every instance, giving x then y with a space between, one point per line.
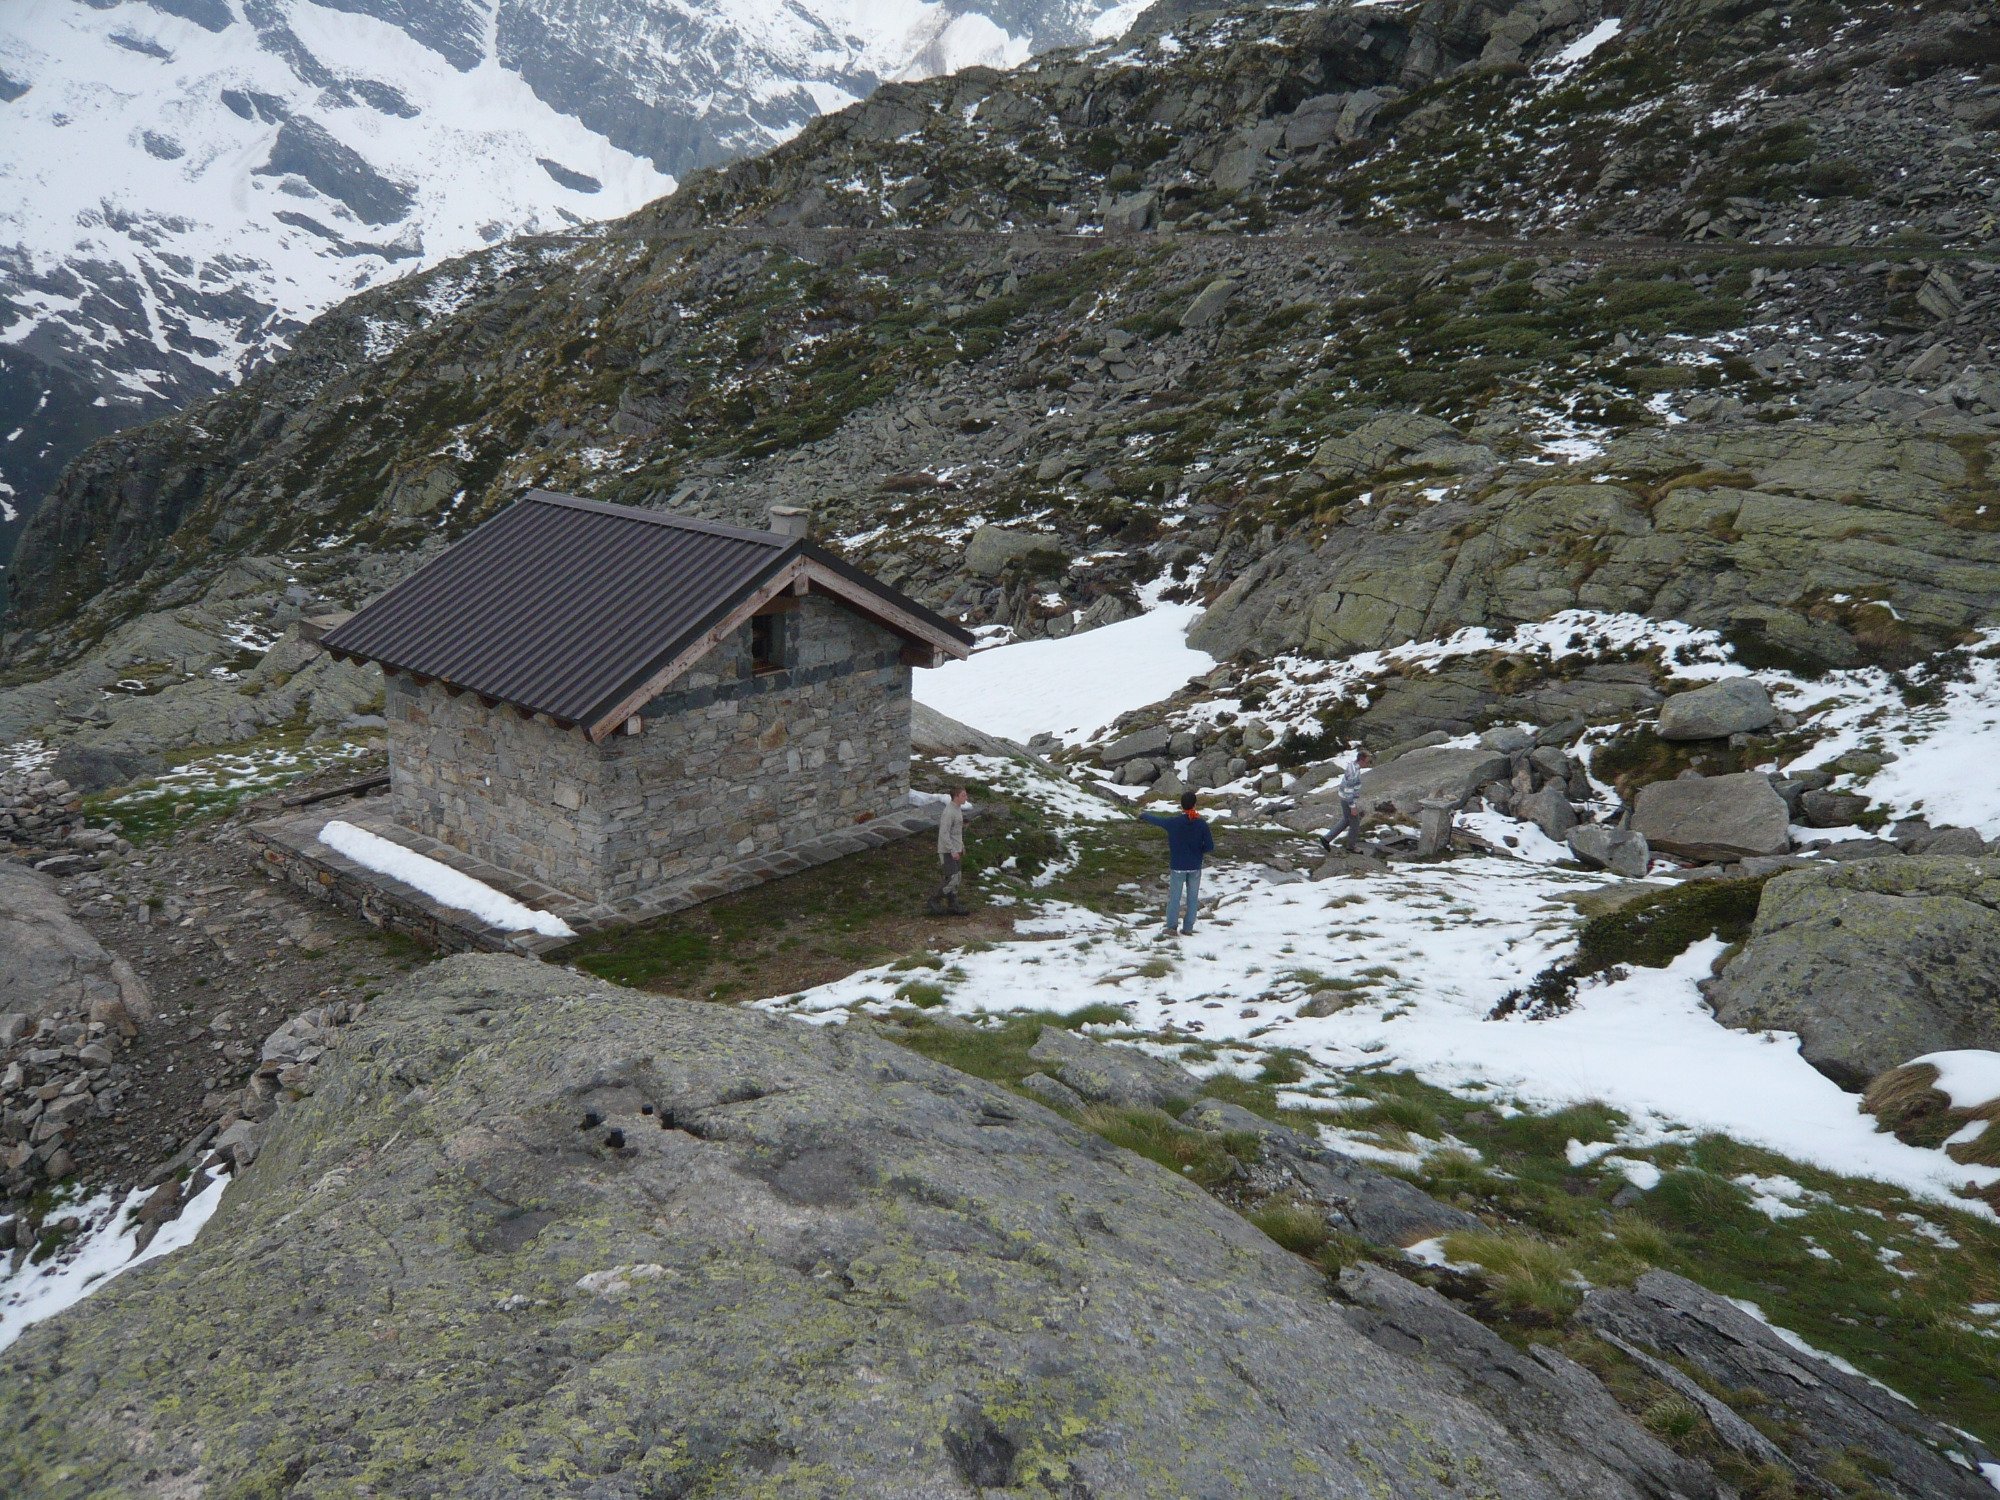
1072 688
1437 946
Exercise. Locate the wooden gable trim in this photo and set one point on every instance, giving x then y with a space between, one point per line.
776 585
867 602
926 645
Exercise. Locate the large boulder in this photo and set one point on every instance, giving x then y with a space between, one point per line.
1872 963
1714 817
1410 780
535 1234
993 548
1735 705
52 965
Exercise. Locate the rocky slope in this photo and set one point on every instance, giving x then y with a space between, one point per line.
573 1239
190 181
1717 379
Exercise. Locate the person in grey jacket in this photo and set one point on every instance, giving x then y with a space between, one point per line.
1350 805
951 857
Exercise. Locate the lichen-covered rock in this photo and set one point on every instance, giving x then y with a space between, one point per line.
1872 962
1108 1074
536 1235
1714 817
1735 705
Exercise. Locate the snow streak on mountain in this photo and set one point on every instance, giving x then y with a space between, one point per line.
184 183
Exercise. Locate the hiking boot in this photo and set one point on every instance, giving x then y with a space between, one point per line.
957 910
1325 842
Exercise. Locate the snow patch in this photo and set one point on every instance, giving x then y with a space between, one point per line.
440 882
35 1293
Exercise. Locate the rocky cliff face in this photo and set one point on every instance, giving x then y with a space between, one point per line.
1734 370
190 182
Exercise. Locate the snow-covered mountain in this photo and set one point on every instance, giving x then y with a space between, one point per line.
184 183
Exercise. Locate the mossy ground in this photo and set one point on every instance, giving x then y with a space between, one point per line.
207 783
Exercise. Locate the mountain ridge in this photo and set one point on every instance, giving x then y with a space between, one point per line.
195 181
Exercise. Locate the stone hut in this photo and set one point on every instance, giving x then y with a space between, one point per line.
616 702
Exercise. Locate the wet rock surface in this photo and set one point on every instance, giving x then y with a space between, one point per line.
529 1220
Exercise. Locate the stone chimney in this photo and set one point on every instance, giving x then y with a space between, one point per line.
790 520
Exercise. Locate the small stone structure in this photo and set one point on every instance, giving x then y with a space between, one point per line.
621 707
733 761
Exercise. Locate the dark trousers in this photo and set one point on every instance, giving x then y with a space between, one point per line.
951 869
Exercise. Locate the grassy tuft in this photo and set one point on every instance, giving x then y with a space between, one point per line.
1297 1226
1525 1276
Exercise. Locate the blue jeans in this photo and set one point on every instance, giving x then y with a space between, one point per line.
1182 886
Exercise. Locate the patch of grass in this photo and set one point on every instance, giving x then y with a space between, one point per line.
921 993
1908 1102
1205 1159
1527 1277
1650 932
1299 1227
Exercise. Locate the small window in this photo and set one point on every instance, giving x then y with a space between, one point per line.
768 643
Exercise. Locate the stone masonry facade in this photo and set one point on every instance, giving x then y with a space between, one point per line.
731 762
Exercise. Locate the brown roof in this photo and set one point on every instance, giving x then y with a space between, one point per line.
585 611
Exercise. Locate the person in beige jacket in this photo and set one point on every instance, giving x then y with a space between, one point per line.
951 857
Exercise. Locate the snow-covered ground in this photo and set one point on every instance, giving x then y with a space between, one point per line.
1071 688
106 1250
1435 947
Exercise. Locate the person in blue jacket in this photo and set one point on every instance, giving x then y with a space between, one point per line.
1189 838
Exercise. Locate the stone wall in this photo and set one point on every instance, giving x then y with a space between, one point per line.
730 764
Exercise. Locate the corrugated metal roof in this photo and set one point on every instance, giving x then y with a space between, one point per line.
567 607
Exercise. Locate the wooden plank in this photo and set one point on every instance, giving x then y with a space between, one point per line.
351 789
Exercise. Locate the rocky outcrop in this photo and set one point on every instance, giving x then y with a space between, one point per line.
1716 818
1105 1074
1782 537
53 965
1872 962
532 1229
1670 1325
